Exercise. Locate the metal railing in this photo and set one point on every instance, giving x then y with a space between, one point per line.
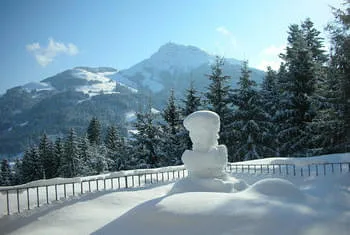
16 199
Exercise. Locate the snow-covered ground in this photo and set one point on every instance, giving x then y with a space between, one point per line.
315 205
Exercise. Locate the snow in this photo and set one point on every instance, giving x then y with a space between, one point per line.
130 116
23 124
292 205
37 86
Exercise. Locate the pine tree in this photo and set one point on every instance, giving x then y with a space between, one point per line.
298 87
192 103
250 126
115 149
6 174
58 154
218 99
94 131
172 144
50 165
85 156
70 162
146 141
17 175
32 168
340 67
270 93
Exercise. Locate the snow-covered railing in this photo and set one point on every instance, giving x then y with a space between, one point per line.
16 199
289 169
19 198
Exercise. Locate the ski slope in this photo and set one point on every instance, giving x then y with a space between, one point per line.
315 205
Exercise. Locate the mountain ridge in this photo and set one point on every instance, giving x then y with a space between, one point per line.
72 97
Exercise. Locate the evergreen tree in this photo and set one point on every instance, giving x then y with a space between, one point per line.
192 103
218 99
115 149
32 168
50 165
70 162
58 154
250 126
270 93
172 144
94 131
85 156
6 174
296 109
340 68
17 176
146 141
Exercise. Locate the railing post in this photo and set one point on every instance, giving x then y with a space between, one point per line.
287 173
316 169
139 176
37 196
28 203
112 186
97 185
18 207
73 187
104 183
308 166
126 181
8 202
162 176
118 182
273 168
324 168
261 168
47 194
65 190
279 167
294 170
341 167
81 187
332 164
132 178
89 186
301 171
56 192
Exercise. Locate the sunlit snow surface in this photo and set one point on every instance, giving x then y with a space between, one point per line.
293 205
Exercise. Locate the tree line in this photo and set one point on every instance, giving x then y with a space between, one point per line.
302 109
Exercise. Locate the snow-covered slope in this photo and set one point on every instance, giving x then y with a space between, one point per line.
91 81
269 206
37 86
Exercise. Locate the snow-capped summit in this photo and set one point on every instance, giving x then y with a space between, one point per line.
173 66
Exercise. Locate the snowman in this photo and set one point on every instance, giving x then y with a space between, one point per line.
207 160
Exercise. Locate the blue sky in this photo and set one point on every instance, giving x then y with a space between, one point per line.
40 38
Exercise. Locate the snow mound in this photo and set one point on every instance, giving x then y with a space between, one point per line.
276 187
191 184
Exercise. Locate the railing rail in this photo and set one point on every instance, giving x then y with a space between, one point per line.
16 199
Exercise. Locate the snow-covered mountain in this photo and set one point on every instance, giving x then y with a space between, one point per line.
72 97
174 66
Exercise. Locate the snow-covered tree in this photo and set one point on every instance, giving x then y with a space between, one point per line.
146 141
303 59
69 166
6 174
32 168
94 131
218 100
191 103
172 144
46 153
251 124
116 149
